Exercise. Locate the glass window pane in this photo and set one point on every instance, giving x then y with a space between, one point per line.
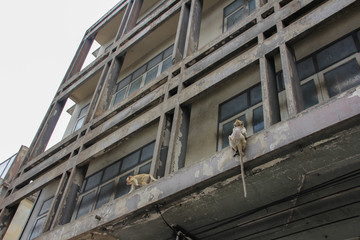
168 52
232 7
105 194
156 60
93 181
119 96
335 52
343 78
227 130
358 35
255 95
122 188
280 85
111 171
84 110
166 64
135 85
79 123
147 152
234 106
258 119
145 168
309 94
139 72
86 204
306 68
45 206
38 227
251 5
236 17
123 82
130 161
150 75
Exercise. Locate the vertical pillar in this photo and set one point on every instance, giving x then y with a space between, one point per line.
124 21
180 39
291 81
162 145
108 86
69 197
178 140
193 31
134 14
269 92
97 93
79 57
46 129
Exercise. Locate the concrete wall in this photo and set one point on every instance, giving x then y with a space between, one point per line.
202 140
133 143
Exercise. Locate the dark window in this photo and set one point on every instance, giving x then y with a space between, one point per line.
309 94
86 204
105 194
135 85
120 96
130 161
306 68
111 171
145 168
93 181
122 188
156 60
258 119
147 152
139 72
123 83
166 64
151 74
336 52
255 95
342 78
233 106
236 11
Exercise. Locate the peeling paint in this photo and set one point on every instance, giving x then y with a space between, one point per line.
282 134
208 170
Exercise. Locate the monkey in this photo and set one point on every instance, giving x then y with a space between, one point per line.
139 180
237 141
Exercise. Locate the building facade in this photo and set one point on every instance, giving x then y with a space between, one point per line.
169 79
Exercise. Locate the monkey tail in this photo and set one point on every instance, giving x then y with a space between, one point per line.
243 174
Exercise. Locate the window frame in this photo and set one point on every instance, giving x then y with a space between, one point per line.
245 5
81 117
247 112
133 170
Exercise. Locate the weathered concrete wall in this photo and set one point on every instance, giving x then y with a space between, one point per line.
133 143
202 140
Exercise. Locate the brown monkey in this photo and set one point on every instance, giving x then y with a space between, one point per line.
139 180
237 141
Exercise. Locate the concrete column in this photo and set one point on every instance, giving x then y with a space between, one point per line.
124 20
45 130
108 86
178 139
193 31
162 145
134 14
79 58
291 81
269 92
180 39
68 201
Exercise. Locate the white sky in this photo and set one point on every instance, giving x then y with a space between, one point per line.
39 38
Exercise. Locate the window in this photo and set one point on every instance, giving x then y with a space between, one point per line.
143 75
329 71
81 118
40 220
236 11
110 182
247 107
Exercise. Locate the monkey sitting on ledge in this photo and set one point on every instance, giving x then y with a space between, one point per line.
139 181
237 141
